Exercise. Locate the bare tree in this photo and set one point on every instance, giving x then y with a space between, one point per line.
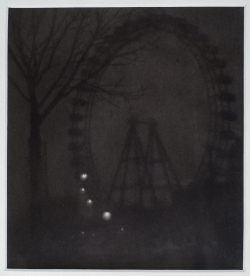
53 52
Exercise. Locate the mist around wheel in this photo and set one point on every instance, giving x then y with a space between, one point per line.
125 138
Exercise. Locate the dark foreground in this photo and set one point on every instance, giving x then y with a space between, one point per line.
188 236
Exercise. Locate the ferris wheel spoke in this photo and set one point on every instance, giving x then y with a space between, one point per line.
219 126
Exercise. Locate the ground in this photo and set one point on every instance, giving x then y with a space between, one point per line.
182 237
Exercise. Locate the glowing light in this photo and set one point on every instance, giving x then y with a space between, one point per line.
89 202
83 176
106 215
82 190
83 233
122 229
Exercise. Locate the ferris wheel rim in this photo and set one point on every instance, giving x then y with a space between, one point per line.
219 84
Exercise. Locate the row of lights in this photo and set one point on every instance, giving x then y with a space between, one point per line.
106 215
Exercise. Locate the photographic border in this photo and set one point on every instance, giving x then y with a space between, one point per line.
4 5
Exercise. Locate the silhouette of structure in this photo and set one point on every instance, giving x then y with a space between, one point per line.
81 143
143 178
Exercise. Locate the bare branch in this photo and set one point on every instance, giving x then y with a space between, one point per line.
106 91
55 48
18 63
36 57
47 41
60 76
101 96
36 23
60 94
18 89
52 105
19 42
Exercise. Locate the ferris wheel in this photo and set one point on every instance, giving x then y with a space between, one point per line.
219 99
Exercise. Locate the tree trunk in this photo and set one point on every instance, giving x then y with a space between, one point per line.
35 168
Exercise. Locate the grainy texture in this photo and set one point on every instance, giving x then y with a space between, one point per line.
155 64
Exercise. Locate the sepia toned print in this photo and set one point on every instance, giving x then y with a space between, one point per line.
125 138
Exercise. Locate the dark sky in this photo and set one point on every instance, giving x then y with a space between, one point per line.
174 95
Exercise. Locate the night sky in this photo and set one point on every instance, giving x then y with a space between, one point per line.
180 107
